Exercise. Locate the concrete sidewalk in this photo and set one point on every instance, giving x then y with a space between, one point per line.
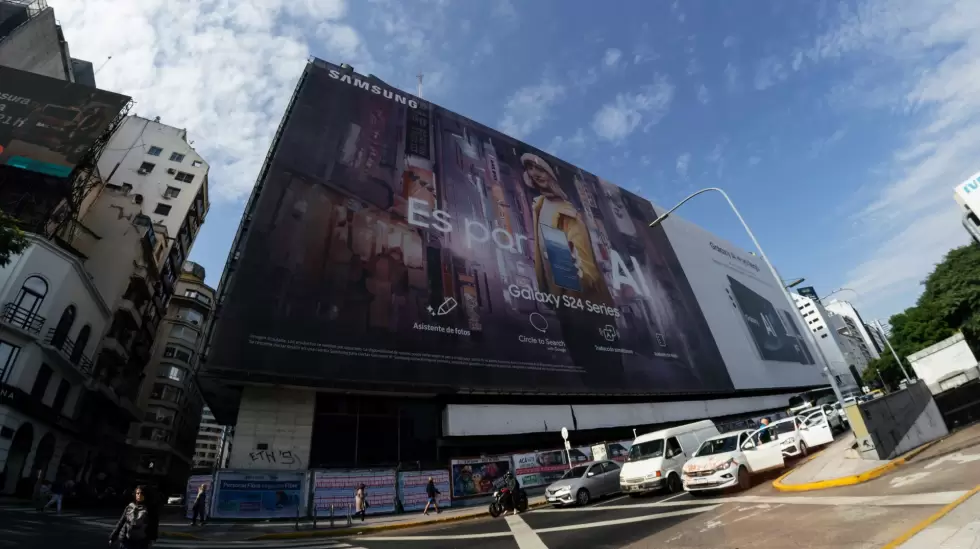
956 526
833 462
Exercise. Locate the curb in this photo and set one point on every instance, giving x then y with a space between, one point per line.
911 532
850 480
181 535
373 529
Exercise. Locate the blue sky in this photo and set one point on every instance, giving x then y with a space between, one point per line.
839 129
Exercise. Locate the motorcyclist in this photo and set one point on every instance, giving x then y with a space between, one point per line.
513 496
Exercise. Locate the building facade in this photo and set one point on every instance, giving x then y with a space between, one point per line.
839 342
857 326
164 441
31 40
209 449
57 415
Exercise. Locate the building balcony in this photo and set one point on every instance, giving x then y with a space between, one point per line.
22 318
112 344
64 348
131 311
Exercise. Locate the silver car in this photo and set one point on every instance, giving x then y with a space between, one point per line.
583 483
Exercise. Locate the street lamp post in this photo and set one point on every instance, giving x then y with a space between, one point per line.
772 270
892 349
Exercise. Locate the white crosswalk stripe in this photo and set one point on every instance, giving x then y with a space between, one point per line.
310 543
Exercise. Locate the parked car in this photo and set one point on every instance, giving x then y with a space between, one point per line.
176 499
836 419
798 434
583 483
731 459
655 460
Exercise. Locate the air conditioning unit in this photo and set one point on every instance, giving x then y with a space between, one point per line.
171 171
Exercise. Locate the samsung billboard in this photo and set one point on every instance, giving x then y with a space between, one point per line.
47 125
396 243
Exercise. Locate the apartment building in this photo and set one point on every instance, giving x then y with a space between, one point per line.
209 447
837 340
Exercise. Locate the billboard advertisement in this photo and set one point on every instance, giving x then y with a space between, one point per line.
411 488
543 468
397 243
47 125
250 495
478 476
337 487
757 328
808 291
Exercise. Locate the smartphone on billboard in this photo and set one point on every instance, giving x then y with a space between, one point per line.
560 260
764 324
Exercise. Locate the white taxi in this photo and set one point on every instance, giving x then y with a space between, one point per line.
731 459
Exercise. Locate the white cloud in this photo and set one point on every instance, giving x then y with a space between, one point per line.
558 142
675 9
504 9
769 72
729 42
616 120
645 160
643 53
797 60
527 108
754 160
929 52
704 96
612 57
683 162
818 146
731 77
224 70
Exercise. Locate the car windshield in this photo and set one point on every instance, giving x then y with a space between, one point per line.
575 472
718 446
646 450
784 427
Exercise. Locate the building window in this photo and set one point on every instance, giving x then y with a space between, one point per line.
154 151
176 157
194 294
190 315
146 167
174 373
41 381
61 396
162 209
823 336
186 333
166 393
197 163
80 342
28 302
8 357
173 351
171 192
60 336
184 177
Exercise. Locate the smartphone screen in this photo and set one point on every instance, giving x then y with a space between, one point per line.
560 260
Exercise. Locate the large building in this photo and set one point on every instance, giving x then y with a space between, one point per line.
209 449
967 195
857 326
839 340
169 398
408 285
31 40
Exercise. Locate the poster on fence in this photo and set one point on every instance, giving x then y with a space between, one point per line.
543 468
190 494
477 477
337 487
411 486
250 494
619 450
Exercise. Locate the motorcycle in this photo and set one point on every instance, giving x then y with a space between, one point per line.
497 507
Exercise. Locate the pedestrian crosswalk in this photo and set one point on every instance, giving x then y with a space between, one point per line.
309 543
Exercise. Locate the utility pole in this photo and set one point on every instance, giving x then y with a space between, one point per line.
884 336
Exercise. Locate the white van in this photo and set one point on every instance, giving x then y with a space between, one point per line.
655 460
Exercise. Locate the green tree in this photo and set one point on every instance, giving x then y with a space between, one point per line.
12 239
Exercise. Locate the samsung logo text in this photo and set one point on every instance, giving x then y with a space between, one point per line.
366 85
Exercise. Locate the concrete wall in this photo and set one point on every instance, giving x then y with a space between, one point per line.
903 421
501 419
35 47
280 419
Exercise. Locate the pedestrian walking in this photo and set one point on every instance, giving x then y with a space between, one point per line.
139 524
431 491
57 492
39 491
200 503
360 501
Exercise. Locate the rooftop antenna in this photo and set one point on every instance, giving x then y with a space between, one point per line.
102 65
419 76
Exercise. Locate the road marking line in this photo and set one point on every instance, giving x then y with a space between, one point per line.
440 538
675 496
292 544
631 520
934 498
608 501
525 537
911 532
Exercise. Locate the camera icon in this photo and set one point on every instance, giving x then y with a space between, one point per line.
609 333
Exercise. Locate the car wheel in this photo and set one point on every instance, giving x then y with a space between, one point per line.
804 451
744 480
583 497
674 483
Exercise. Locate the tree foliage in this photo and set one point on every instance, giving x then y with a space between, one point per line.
12 239
949 303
